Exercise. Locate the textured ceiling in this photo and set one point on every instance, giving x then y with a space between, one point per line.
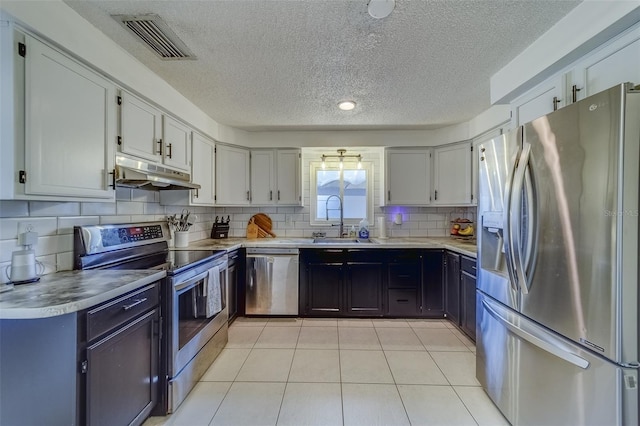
278 65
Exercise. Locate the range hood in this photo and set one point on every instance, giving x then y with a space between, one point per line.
135 173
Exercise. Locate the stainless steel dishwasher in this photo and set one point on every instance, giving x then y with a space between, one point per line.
272 281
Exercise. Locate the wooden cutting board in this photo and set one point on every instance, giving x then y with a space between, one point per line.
264 224
252 230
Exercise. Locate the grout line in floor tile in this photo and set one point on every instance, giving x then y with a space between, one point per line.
221 401
465 405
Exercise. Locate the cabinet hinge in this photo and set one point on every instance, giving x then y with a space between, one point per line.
84 366
22 176
119 140
119 100
215 149
215 198
471 148
22 49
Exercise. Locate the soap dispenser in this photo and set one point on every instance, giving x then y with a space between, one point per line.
363 231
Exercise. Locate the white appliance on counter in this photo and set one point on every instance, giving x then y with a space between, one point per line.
557 296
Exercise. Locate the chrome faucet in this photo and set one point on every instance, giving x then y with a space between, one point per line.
326 210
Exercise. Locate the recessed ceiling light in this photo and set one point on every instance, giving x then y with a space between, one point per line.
347 105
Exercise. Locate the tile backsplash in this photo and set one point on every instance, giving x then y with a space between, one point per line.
294 221
54 222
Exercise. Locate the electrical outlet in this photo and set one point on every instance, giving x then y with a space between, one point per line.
26 226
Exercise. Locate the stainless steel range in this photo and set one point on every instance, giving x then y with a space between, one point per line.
193 306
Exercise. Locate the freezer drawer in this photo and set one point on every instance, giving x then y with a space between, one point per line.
536 377
272 282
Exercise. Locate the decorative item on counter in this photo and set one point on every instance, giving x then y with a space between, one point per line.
462 228
220 229
363 229
264 224
352 231
397 219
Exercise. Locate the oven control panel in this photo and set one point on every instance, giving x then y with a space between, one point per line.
93 239
116 236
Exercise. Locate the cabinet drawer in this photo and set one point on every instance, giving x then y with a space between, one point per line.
403 302
118 311
404 275
469 265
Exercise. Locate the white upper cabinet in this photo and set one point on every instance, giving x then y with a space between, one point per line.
407 176
616 63
263 177
452 174
177 144
203 163
288 177
232 176
70 126
147 133
541 100
140 128
203 173
275 177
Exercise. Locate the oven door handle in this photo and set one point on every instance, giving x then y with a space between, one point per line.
191 282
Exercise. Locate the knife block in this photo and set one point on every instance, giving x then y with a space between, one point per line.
220 231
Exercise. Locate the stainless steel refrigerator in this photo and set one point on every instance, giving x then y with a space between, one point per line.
557 296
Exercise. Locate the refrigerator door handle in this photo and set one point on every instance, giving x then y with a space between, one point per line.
515 213
544 341
507 238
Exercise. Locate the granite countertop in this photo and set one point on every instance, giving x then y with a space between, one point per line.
70 291
462 247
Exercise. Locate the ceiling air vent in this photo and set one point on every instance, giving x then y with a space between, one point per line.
157 35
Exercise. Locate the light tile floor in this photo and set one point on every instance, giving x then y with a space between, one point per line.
292 371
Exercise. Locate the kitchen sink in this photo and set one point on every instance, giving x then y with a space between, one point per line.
340 241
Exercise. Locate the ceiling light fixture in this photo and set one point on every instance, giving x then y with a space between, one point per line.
381 8
341 156
346 105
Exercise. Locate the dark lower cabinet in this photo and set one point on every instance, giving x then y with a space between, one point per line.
452 286
122 374
404 283
324 287
364 289
371 283
433 284
468 297
119 373
233 284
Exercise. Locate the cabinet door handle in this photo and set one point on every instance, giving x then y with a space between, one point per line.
270 195
436 194
574 93
159 142
556 101
248 196
389 195
134 304
278 195
170 150
113 181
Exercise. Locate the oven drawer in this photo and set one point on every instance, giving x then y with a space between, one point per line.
118 311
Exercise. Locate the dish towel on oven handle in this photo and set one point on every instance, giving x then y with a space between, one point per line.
214 293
